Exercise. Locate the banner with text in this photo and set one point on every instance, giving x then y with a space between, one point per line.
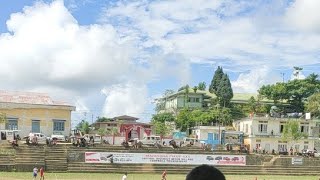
159 158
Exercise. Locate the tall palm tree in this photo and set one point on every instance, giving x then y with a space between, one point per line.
186 95
113 131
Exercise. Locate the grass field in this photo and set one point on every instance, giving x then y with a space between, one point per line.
100 176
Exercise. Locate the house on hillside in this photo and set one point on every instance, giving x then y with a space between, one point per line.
265 133
181 99
197 99
28 112
126 126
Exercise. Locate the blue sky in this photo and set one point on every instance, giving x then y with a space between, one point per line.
113 57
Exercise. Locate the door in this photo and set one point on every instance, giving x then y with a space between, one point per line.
267 147
210 138
35 126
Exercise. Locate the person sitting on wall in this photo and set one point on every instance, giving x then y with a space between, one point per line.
205 172
173 144
125 144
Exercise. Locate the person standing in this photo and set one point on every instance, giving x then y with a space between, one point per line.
35 173
164 175
124 177
41 173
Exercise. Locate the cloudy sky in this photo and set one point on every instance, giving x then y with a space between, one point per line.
112 57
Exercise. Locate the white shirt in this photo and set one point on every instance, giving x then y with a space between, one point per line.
124 177
35 170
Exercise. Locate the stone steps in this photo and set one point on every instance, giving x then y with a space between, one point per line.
56 159
178 169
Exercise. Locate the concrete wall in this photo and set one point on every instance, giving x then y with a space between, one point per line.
44 115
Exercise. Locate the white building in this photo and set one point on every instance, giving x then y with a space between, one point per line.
265 133
208 134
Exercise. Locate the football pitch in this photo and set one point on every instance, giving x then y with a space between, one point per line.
106 176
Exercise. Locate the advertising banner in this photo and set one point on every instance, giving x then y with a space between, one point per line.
160 158
297 161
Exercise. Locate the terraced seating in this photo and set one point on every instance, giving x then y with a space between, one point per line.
56 159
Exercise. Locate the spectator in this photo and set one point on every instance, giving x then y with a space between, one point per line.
205 172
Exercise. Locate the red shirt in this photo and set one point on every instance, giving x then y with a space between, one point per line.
41 171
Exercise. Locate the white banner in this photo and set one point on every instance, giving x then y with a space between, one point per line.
297 160
159 158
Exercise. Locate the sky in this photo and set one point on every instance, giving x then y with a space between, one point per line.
113 57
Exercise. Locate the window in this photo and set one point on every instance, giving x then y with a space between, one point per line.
193 99
262 128
12 124
281 128
216 136
304 129
58 125
282 147
305 145
247 128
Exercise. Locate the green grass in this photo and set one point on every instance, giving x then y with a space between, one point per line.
101 176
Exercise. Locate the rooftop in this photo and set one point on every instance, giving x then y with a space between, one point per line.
28 98
125 117
237 97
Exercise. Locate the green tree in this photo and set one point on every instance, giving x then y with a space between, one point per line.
215 82
3 118
299 90
162 123
202 86
162 128
294 92
313 105
224 91
113 131
197 117
291 131
184 120
102 132
252 103
274 92
103 119
163 117
222 115
85 127
195 88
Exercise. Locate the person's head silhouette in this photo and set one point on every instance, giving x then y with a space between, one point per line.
205 172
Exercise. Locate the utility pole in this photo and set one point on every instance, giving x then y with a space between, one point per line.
282 76
92 119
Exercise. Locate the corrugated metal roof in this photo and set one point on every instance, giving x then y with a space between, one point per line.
28 98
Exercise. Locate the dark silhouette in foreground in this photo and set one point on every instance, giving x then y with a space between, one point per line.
205 172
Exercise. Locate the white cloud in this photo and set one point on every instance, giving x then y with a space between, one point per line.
240 36
236 34
125 99
254 79
304 15
46 46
